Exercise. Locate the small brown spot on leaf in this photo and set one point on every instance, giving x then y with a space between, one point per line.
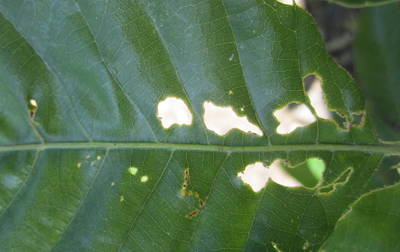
195 212
183 193
186 178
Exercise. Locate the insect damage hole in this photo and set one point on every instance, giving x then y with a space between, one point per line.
256 175
316 95
222 119
173 111
296 115
308 173
290 2
32 106
313 87
292 116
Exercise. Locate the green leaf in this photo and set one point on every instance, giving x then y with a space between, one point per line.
377 63
372 224
90 167
361 3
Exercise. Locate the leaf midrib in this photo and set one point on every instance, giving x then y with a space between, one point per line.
387 149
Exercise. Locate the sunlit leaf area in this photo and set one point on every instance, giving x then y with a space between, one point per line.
215 125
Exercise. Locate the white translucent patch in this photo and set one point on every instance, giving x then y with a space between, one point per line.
10 182
290 2
222 119
144 179
317 99
257 175
290 119
231 57
33 103
174 111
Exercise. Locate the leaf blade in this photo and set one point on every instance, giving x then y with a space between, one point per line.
105 68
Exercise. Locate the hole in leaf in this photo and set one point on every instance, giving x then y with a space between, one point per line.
317 167
300 3
358 119
299 115
340 120
222 119
32 106
257 175
313 87
293 116
174 111
144 179
309 173
316 95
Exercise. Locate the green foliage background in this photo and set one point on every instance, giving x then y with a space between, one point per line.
98 69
